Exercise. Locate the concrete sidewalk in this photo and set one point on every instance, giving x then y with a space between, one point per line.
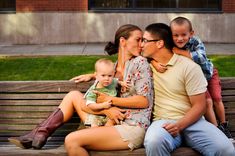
89 49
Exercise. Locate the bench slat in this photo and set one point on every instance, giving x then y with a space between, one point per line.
228 92
228 83
29 121
27 108
32 96
41 86
30 102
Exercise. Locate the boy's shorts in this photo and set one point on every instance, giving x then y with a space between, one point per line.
133 134
214 87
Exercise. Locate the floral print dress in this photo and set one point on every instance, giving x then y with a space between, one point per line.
138 72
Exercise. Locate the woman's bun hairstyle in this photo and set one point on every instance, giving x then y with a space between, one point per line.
111 48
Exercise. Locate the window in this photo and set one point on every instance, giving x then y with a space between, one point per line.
7 6
156 5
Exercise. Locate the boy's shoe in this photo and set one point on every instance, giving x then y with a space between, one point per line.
224 128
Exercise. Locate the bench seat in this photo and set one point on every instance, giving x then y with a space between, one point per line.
23 104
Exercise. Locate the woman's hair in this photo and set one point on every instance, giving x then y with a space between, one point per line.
161 31
125 32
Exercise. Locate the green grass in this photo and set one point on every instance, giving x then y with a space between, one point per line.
224 64
66 67
46 68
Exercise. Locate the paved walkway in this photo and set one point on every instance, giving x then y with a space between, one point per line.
88 49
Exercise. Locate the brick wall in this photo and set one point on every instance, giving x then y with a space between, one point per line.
51 5
228 6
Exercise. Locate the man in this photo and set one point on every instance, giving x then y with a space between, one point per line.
179 101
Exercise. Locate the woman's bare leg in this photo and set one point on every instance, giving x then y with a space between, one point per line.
99 138
72 102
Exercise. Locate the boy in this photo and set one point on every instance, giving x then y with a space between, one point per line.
105 83
191 46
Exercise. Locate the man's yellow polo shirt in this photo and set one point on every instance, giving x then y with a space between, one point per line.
172 88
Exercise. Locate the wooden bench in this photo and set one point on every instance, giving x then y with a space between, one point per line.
23 104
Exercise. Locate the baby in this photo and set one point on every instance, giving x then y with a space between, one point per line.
105 83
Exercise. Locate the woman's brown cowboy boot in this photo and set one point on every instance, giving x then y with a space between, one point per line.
37 138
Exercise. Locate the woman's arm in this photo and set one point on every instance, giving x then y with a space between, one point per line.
135 101
83 78
112 113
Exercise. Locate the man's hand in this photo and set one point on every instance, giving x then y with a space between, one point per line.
172 128
115 113
82 78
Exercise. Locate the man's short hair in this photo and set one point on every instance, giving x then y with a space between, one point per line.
163 32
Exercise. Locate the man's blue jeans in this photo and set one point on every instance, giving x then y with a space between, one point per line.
201 136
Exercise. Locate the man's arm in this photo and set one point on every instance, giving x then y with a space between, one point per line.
194 114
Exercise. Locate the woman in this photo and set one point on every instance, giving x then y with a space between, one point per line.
130 67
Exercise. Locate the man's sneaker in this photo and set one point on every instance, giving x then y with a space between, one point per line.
224 128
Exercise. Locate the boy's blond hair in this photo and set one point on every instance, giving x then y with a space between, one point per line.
104 61
182 20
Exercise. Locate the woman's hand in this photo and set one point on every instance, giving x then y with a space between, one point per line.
102 97
82 78
116 114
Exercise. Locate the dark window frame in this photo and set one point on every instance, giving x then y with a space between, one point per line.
91 8
12 9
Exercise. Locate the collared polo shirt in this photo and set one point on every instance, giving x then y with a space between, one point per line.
182 79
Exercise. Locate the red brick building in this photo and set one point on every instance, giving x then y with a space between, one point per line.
74 21
227 6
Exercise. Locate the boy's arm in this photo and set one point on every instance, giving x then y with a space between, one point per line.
182 52
161 68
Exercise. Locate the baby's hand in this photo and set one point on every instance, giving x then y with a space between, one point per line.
125 86
106 104
161 68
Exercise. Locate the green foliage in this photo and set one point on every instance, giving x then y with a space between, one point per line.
66 67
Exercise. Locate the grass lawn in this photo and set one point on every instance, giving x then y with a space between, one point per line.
66 67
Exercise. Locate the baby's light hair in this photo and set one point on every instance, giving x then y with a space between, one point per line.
181 21
105 61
